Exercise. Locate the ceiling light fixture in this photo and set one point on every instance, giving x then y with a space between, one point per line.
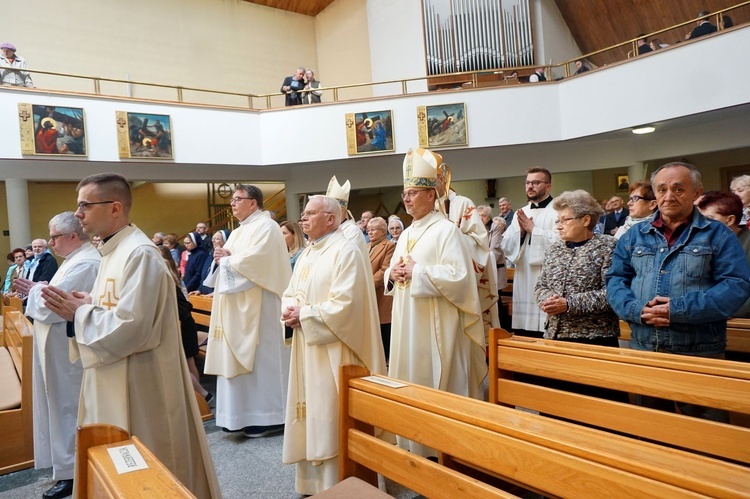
643 129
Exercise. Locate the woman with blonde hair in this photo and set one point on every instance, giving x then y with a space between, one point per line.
741 187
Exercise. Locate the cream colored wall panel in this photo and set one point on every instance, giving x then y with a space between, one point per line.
343 48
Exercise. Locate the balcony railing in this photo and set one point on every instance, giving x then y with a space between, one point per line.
114 87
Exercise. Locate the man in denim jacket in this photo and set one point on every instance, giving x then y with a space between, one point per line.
677 278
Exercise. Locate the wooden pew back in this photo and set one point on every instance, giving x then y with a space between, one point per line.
709 382
16 425
97 476
544 455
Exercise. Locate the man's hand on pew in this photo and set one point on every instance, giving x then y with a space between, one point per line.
63 303
656 312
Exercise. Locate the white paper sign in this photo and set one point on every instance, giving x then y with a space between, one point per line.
126 458
385 381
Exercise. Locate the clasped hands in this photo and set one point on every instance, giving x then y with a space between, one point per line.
555 305
401 270
219 253
290 317
64 303
656 312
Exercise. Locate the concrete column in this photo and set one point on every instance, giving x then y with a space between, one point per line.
637 171
17 195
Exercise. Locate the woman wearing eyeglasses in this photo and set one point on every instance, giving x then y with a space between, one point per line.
641 205
571 289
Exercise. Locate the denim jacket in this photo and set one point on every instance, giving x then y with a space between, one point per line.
705 275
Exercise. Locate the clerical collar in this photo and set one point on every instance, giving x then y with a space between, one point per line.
541 204
105 239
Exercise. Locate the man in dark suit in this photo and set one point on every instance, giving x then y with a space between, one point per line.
292 87
616 217
704 27
643 47
505 210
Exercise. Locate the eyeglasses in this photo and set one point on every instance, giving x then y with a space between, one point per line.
535 183
237 200
635 199
84 206
564 221
54 238
309 213
412 193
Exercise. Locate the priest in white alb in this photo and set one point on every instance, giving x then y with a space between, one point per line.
437 337
463 212
525 243
127 334
330 303
246 340
57 380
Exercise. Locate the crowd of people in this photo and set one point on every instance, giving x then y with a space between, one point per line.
293 301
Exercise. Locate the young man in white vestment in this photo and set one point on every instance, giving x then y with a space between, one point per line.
246 340
57 380
437 337
127 335
524 243
331 306
463 212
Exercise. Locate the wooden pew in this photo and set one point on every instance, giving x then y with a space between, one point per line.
709 382
554 458
202 316
95 468
16 426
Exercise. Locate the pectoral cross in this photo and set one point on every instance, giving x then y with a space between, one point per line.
109 293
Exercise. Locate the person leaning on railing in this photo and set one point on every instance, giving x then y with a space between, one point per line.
12 66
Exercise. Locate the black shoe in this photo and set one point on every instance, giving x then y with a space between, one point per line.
262 431
209 398
227 430
63 488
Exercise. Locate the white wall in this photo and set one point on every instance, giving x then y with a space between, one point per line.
396 43
553 41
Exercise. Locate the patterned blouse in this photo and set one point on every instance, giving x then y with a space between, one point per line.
577 274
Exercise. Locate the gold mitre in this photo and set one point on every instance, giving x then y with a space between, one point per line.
339 192
420 168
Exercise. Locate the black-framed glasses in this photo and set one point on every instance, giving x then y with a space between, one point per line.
565 220
237 199
84 206
635 199
535 183
54 238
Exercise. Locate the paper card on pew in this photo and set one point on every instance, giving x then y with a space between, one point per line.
384 381
126 458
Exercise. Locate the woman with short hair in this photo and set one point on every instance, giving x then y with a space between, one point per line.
641 206
741 187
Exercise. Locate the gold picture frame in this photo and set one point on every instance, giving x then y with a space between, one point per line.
369 132
622 183
52 130
144 135
444 125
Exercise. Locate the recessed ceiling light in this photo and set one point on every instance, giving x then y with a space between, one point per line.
643 129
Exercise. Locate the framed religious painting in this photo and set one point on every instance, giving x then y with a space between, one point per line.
144 135
442 126
52 130
623 183
370 132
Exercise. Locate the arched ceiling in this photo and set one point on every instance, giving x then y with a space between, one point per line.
597 24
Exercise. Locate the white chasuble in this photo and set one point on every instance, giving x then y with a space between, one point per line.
338 325
57 381
528 257
464 214
135 374
437 337
246 340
